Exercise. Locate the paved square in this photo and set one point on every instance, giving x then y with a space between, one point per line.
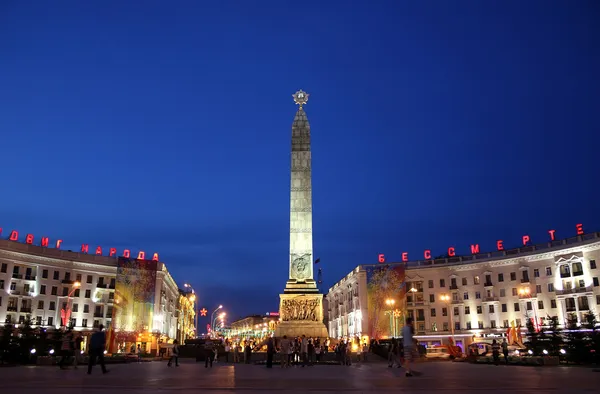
192 377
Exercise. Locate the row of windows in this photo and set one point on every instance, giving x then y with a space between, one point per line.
53 291
55 275
565 272
570 304
492 309
49 321
26 307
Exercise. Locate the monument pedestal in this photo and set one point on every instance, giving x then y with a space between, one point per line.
301 314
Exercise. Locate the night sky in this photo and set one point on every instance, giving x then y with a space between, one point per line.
166 126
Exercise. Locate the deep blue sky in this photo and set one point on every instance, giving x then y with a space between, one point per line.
166 126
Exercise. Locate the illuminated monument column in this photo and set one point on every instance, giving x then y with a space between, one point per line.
301 305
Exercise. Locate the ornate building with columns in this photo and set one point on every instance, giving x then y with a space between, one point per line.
480 295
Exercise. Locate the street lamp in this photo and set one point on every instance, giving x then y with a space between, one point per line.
390 303
193 299
446 298
411 290
526 292
212 317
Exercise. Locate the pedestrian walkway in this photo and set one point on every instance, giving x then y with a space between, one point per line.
191 377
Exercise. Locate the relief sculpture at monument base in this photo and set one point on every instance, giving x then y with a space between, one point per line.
301 315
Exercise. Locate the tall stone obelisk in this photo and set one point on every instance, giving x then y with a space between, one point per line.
301 305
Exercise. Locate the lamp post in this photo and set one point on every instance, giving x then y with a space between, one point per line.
411 290
390 303
193 300
526 292
66 313
446 298
212 317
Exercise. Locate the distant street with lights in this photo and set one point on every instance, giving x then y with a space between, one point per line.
375 376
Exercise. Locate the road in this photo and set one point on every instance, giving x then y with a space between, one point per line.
190 377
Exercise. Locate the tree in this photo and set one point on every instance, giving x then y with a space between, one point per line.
532 338
593 337
574 338
27 340
555 339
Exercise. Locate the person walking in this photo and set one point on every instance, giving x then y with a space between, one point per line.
410 348
174 354
97 346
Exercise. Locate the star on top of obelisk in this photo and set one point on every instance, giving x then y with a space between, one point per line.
300 97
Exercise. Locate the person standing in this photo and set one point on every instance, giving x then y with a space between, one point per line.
495 352
284 347
227 350
174 354
209 353
97 346
304 350
270 352
66 348
77 350
505 350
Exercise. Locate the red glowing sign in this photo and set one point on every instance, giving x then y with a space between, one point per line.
85 248
525 239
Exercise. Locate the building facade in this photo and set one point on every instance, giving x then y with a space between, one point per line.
479 295
55 288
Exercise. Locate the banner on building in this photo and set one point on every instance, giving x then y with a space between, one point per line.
386 289
134 295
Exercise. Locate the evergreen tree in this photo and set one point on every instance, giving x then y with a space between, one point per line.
532 338
593 337
575 342
555 339
27 340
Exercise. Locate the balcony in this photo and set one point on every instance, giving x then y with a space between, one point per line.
565 274
490 299
575 290
577 273
30 277
67 281
11 308
525 280
488 284
453 287
17 276
527 296
99 314
25 310
102 285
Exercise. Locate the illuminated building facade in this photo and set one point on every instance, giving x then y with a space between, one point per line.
479 295
255 325
186 315
57 288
